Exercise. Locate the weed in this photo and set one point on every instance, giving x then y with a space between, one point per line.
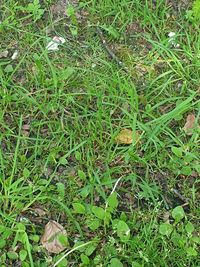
194 14
107 152
33 9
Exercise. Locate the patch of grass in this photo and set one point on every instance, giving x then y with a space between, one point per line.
60 115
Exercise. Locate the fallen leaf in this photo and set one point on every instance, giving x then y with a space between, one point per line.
50 238
125 137
26 129
40 212
4 54
190 121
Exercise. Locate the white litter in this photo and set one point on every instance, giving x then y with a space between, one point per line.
15 54
172 39
176 45
56 41
171 34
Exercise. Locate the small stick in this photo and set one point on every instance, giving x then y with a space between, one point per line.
184 199
110 52
165 202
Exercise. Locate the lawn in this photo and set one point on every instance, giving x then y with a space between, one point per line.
99 140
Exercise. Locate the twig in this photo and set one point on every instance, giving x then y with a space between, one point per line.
184 199
165 200
109 51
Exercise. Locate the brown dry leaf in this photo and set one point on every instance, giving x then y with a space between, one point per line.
26 129
4 54
40 212
190 121
49 240
125 137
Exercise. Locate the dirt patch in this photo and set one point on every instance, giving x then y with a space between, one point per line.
180 5
59 9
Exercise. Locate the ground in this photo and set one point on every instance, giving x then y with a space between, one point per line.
100 136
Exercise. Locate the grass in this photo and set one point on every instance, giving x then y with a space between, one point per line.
60 114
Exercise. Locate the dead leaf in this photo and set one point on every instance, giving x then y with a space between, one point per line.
190 121
40 212
4 54
125 137
26 129
50 238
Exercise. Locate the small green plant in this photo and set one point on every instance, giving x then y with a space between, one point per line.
115 263
193 15
111 31
182 161
149 192
34 10
74 22
180 232
59 115
21 242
